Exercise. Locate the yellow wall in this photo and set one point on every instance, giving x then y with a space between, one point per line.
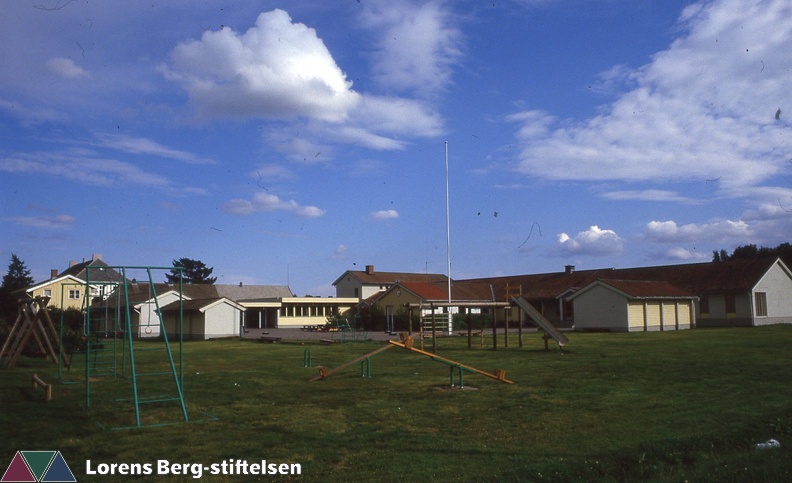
669 315
635 316
652 315
684 315
56 288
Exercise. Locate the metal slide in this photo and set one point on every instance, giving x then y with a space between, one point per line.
540 321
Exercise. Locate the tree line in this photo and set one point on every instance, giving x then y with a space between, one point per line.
752 252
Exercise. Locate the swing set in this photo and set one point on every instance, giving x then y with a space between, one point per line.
125 336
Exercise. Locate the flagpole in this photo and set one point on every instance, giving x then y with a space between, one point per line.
448 229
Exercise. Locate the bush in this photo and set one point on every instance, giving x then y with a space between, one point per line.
476 321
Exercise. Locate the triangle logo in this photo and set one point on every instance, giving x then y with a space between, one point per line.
38 461
59 471
18 471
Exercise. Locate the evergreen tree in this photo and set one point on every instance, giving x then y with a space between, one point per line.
193 271
18 277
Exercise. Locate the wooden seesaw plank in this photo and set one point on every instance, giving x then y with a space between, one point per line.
324 372
499 375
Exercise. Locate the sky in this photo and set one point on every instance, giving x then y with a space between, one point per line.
285 142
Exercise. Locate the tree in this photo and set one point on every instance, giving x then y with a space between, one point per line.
751 252
18 277
193 271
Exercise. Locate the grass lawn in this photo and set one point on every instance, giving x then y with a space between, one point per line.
673 406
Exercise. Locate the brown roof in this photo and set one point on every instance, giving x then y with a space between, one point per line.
98 271
696 278
647 289
141 292
190 305
378 278
459 292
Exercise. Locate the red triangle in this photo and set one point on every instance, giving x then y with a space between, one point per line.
18 472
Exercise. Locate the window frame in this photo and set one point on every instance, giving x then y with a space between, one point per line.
760 304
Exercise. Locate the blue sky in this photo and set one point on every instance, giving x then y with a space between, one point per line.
286 142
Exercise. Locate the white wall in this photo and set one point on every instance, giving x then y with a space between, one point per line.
778 286
600 309
221 320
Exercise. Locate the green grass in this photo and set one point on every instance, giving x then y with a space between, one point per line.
676 406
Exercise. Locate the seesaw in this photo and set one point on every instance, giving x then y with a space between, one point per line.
407 343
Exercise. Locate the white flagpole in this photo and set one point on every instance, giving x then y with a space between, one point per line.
448 230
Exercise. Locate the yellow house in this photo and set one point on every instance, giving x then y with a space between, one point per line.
67 289
65 292
293 312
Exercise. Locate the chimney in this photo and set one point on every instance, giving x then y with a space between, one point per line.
73 263
53 273
96 256
569 269
370 269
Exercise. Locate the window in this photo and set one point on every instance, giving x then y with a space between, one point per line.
731 304
74 294
704 305
569 311
760 304
48 292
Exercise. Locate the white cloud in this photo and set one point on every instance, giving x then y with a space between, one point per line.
594 241
265 202
67 69
87 170
48 222
384 215
85 167
282 70
276 69
271 172
397 115
31 115
703 108
716 231
418 44
648 195
340 253
682 254
134 145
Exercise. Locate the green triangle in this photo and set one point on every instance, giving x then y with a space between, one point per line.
38 461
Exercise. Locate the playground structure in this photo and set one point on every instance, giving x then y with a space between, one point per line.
406 342
113 321
550 330
107 339
505 311
33 321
